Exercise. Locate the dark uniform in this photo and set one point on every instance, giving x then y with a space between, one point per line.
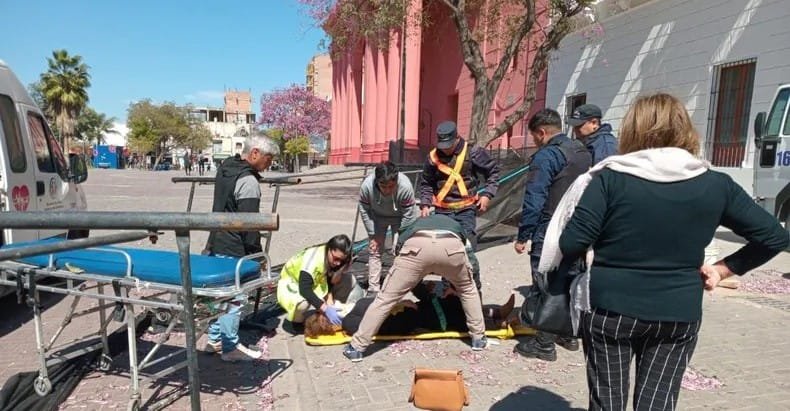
459 199
552 170
601 144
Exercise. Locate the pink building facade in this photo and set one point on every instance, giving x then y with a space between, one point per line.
366 100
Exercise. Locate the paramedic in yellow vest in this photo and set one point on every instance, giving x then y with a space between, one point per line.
450 182
315 278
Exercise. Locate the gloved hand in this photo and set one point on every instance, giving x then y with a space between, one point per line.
332 314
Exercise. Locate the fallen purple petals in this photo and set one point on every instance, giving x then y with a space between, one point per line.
766 284
402 347
265 392
694 380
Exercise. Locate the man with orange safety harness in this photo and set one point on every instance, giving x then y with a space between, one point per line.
450 182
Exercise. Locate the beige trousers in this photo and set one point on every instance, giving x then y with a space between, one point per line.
424 253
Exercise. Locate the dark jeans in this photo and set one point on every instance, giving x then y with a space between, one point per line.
468 220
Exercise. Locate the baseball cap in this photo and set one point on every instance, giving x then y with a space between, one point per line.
447 134
583 113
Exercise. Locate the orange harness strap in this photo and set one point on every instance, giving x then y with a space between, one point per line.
454 177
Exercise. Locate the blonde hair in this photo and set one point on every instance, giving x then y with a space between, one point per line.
657 121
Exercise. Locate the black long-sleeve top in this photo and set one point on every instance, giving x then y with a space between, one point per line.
649 240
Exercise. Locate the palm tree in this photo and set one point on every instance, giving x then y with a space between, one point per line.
65 88
93 126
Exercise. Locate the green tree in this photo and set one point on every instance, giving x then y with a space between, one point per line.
162 127
92 126
296 146
64 87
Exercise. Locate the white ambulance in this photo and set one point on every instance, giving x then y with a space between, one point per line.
35 174
772 168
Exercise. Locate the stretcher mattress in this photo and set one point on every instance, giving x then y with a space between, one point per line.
341 338
156 266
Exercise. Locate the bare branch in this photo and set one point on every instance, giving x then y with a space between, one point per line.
513 45
470 49
539 63
450 5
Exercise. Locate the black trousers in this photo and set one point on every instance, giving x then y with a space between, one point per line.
662 350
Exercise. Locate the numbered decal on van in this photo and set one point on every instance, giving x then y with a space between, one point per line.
20 196
783 158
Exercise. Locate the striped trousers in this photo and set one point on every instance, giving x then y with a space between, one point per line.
662 350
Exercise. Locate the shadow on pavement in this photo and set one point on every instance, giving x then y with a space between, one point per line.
15 315
532 398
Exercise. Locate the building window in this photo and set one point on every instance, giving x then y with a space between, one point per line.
13 135
573 102
48 154
732 99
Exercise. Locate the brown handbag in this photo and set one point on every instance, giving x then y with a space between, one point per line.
439 390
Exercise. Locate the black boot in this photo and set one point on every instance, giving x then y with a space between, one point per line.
533 348
568 343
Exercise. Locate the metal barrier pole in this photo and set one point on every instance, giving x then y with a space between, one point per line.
356 217
66 245
182 240
191 196
151 221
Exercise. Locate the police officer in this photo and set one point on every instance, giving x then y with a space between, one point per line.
553 168
596 136
450 183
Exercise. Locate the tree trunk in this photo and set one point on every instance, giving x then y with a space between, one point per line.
481 106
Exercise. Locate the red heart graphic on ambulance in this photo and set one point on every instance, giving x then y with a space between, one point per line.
20 196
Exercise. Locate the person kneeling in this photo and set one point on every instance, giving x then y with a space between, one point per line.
316 277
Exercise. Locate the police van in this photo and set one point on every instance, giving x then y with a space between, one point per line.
35 174
772 168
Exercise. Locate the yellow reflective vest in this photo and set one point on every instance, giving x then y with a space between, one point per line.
311 260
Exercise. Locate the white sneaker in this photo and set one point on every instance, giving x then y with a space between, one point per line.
213 347
241 353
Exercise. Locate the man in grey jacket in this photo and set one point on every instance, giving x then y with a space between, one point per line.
386 200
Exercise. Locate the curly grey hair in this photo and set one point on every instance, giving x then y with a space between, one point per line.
264 144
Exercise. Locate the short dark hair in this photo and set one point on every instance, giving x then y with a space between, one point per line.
340 242
545 117
386 171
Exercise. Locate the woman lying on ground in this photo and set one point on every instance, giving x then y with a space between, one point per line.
431 313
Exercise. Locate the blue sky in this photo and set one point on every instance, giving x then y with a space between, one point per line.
174 50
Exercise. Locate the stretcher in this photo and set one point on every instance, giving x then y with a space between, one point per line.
342 338
131 284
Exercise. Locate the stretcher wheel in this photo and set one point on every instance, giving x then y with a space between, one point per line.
134 405
163 316
42 386
104 363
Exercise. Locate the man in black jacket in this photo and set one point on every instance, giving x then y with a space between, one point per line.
552 169
237 190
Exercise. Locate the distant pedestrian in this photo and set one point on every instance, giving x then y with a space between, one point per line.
648 215
201 163
187 163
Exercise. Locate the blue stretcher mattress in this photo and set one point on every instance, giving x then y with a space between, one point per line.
156 266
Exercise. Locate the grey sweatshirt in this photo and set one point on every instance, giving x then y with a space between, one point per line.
398 209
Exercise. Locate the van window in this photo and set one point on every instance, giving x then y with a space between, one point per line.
48 153
13 135
776 113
